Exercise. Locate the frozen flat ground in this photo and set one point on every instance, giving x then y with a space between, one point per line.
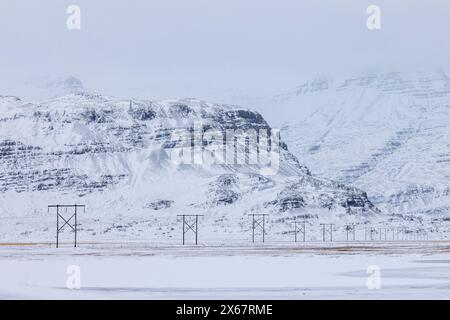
408 270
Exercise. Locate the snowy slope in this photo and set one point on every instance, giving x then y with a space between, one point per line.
112 155
386 133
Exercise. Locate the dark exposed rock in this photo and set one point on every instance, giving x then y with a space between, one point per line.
95 116
159 204
142 113
224 190
289 203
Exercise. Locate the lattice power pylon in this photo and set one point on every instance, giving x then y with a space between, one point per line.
399 234
190 223
369 232
67 221
300 228
258 222
327 231
382 233
351 232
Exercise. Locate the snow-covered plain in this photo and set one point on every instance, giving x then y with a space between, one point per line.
408 270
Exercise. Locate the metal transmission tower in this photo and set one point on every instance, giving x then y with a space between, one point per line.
399 234
66 221
394 233
423 235
418 235
351 231
300 228
383 233
409 235
327 231
258 221
190 223
369 231
406 234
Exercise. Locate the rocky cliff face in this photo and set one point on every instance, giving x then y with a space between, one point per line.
113 156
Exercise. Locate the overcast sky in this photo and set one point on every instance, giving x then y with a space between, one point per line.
207 48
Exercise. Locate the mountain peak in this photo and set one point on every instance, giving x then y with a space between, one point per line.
47 87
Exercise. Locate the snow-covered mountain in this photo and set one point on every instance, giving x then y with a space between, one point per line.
52 86
113 155
386 133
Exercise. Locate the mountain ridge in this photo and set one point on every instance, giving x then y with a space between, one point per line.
381 132
112 155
